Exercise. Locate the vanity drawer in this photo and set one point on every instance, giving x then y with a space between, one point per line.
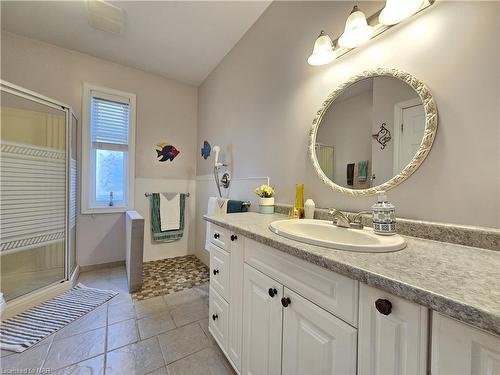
335 293
218 318
219 236
219 270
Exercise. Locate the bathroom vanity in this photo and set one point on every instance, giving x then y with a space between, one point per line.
278 306
307 297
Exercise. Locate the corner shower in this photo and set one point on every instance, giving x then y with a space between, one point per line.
38 186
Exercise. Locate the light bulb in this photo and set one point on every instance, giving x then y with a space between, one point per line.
357 31
396 11
323 52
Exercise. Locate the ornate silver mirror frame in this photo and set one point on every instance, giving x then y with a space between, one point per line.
431 120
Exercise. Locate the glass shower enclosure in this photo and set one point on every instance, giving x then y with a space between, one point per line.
38 191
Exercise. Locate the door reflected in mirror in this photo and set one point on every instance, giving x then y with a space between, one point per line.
370 132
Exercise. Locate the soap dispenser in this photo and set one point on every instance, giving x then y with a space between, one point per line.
384 216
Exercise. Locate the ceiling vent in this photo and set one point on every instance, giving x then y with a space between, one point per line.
105 16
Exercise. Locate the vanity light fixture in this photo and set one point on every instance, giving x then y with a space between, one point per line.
323 52
357 31
396 11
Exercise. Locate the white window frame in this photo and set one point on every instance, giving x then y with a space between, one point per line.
88 205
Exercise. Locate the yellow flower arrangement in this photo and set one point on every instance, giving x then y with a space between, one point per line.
265 191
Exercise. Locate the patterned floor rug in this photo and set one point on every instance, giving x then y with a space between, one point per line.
171 275
26 329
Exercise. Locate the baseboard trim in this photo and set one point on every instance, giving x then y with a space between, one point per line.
92 267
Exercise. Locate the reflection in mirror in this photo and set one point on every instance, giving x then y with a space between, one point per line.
370 132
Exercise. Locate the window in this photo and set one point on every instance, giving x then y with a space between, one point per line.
108 150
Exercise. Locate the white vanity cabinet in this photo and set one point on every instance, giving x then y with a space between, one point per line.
459 349
262 327
226 288
315 341
284 333
275 314
392 334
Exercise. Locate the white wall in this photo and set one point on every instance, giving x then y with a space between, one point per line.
240 189
260 102
166 111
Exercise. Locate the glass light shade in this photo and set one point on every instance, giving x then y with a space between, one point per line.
357 31
323 52
396 11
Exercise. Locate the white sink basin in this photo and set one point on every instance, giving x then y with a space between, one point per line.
324 233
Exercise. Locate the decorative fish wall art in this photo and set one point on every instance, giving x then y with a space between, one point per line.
166 152
205 150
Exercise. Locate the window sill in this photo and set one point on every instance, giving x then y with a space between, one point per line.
104 210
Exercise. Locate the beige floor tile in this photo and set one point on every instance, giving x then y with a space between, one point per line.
204 362
160 371
135 359
92 366
189 312
182 341
90 321
31 358
75 349
118 272
120 311
122 297
204 326
149 306
46 340
155 324
118 285
122 333
5 353
174 300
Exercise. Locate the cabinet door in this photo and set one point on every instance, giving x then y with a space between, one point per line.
458 349
315 341
235 340
262 323
392 337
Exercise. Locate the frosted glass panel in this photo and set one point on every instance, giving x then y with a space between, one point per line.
33 195
110 175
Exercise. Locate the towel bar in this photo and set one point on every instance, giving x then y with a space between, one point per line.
149 194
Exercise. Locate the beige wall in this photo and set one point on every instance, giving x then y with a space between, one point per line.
166 111
347 125
387 92
260 101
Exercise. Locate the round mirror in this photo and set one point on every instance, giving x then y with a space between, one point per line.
373 132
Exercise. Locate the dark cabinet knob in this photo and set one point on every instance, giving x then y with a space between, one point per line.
216 235
272 292
234 237
215 271
285 301
383 306
215 317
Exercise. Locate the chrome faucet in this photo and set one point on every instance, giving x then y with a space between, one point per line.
356 220
340 219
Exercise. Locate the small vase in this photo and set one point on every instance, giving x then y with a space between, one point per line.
266 205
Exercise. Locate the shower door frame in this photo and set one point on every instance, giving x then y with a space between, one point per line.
42 99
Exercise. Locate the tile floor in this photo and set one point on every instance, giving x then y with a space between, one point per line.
171 275
158 336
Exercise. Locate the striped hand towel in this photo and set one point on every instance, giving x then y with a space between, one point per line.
169 235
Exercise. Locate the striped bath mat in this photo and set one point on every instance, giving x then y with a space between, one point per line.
26 329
